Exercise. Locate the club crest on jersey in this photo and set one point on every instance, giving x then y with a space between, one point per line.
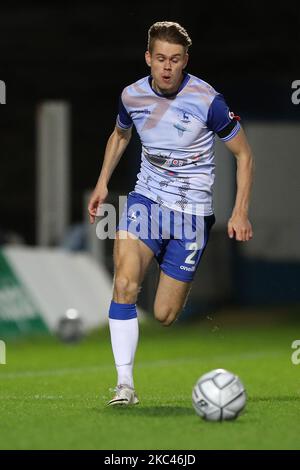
185 117
180 128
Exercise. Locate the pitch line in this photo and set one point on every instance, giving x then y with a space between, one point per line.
157 363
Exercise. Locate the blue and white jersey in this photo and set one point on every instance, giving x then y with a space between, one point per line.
177 133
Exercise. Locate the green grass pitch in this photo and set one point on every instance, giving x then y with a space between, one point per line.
52 396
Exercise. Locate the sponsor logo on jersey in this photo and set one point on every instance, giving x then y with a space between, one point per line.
143 111
234 116
181 129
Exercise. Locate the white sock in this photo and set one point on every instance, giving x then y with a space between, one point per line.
124 336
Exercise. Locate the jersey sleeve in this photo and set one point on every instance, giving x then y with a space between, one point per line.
221 120
124 120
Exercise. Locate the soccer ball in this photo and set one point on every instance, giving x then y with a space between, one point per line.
219 395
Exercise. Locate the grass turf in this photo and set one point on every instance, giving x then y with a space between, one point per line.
52 396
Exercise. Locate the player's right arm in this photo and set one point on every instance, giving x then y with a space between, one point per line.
115 148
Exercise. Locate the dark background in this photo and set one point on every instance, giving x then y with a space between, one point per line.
87 52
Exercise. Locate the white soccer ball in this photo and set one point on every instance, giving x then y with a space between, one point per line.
219 395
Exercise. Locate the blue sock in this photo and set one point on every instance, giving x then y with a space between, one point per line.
122 311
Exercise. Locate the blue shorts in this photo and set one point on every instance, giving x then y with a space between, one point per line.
177 239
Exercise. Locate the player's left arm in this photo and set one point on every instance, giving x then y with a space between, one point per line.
239 225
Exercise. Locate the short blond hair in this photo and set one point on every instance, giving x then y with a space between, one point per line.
170 32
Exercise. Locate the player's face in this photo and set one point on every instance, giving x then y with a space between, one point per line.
167 62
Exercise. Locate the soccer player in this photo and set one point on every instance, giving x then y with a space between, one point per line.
177 117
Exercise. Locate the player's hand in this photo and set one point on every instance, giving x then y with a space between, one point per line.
97 198
240 227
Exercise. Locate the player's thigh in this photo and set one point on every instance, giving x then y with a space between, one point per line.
131 256
171 296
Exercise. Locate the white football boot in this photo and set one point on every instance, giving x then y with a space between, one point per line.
124 396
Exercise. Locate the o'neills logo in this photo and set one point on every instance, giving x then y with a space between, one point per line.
2 92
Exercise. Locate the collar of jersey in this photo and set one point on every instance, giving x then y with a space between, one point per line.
170 95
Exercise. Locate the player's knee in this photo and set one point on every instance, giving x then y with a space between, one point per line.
166 315
125 289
